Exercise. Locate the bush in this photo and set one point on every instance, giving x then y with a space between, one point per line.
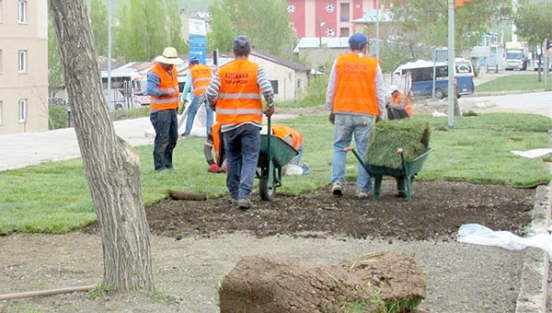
57 116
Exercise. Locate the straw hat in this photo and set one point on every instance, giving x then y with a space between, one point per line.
169 57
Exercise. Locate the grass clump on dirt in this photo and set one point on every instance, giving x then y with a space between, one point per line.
411 135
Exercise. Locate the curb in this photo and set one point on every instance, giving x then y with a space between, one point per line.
533 293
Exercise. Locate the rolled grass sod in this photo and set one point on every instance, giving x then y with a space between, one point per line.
389 135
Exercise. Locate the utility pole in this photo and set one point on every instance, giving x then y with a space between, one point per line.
451 89
109 91
377 28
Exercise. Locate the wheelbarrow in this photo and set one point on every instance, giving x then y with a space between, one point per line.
274 155
404 176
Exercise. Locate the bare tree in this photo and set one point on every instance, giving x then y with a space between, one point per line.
111 164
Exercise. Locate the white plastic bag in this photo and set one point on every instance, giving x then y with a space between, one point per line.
481 235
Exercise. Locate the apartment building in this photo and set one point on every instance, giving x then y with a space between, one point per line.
23 66
327 18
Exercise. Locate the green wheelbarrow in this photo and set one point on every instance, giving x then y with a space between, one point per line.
274 155
404 176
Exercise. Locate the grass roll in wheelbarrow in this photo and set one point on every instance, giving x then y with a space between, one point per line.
275 154
397 148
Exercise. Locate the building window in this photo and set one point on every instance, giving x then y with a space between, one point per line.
274 84
1 111
344 32
330 32
1 11
345 12
22 11
330 7
291 8
22 61
22 110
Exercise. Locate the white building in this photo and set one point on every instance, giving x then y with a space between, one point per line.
23 66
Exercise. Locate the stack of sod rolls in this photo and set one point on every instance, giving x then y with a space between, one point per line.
389 135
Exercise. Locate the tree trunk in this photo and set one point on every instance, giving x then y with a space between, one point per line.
111 165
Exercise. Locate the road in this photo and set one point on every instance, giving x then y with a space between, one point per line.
535 103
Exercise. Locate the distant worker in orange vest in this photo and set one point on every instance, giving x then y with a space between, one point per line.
356 98
294 139
235 94
198 79
399 106
162 87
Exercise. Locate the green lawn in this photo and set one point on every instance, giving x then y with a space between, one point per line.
54 197
521 82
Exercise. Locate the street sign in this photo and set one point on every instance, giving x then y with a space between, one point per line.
197 40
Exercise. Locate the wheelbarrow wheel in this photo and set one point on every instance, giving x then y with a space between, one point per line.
266 192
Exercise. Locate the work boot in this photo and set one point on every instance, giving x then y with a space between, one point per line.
244 204
337 189
362 194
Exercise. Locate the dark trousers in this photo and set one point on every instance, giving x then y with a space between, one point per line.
394 114
242 145
165 124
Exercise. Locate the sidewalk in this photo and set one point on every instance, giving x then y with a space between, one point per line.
20 150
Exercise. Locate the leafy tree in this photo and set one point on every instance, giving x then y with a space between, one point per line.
55 67
146 27
534 22
415 38
99 24
265 22
174 27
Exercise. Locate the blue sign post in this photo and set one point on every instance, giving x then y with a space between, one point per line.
197 39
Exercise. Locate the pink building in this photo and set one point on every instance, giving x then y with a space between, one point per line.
327 18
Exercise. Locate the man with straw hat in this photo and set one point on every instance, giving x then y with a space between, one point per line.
163 90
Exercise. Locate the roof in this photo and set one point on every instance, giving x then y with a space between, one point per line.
327 42
281 61
141 68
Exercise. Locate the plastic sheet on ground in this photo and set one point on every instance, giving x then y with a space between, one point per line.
531 154
481 235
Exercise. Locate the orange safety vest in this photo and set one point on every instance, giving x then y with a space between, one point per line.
166 81
215 134
407 105
283 131
355 88
239 98
201 77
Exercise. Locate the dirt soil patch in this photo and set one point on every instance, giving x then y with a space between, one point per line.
437 211
196 243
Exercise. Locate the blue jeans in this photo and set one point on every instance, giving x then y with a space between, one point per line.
345 127
197 101
242 146
296 160
165 124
